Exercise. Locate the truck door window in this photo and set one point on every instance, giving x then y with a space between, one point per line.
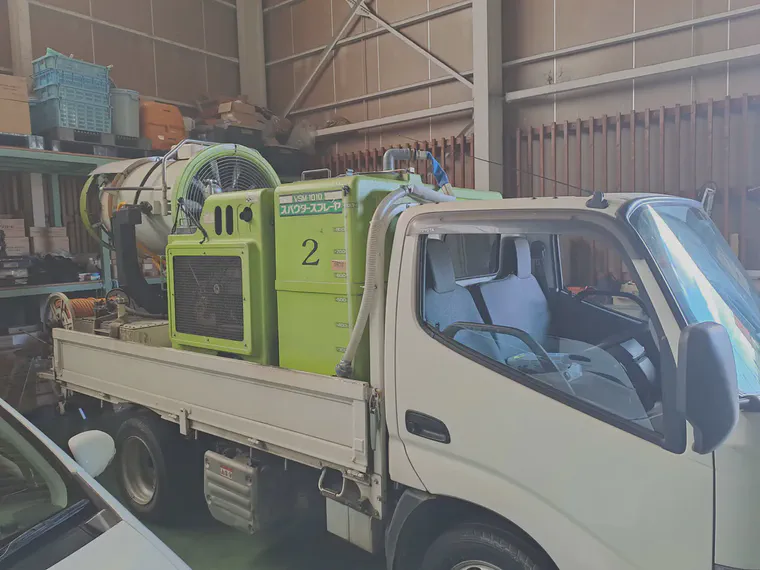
565 341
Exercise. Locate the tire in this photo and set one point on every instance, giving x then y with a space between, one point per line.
476 546
154 467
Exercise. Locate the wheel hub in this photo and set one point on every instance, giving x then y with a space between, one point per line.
475 565
138 470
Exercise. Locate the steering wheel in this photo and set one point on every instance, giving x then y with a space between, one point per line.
622 336
546 362
590 291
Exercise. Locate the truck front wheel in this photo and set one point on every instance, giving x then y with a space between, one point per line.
476 546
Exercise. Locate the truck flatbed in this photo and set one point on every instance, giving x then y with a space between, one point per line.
318 420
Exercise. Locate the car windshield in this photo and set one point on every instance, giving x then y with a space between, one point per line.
33 483
706 278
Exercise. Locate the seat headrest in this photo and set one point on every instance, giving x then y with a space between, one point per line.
440 267
515 258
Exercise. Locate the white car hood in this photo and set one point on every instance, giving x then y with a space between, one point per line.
121 547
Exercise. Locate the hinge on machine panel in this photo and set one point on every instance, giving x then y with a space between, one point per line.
375 417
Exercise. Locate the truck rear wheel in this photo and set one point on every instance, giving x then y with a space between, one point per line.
481 547
151 458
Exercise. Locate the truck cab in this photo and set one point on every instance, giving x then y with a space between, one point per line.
548 363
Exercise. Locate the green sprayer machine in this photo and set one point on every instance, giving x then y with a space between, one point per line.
255 269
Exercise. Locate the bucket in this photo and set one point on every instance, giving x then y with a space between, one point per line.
126 112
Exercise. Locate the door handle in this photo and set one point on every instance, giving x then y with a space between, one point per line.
426 426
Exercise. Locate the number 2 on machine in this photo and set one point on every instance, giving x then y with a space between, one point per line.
314 246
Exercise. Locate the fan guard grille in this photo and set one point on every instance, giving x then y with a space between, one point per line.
227 173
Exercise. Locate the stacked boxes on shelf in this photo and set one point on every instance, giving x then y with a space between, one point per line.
14 268
38 240
49 240
14 236
70 94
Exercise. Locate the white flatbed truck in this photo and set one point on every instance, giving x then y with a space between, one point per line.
464 454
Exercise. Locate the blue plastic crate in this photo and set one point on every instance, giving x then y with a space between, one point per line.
72 94
55 60
66 113
71 79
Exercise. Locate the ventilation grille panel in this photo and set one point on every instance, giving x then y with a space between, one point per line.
208 296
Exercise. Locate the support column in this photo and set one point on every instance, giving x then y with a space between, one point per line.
489 101
55 200
21 37
253 76
37 193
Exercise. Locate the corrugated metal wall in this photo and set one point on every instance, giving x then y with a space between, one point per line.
533 27
455 154
178 50
369 66
691 127
671 150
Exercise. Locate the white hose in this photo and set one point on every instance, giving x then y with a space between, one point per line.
392 155
378 227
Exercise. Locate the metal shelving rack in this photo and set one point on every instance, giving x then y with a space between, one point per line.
53 164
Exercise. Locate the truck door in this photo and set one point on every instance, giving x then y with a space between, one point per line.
551 432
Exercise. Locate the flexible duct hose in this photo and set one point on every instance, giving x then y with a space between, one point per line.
378 227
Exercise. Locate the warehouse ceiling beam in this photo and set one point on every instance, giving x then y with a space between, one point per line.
253 73
364 11
489 87
397 119
635 36
227 4
361 36
283 4
327 55
636 73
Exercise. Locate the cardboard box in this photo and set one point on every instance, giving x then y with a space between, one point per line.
42 245
16 246
48 232
13 227
13 88
236 107
243 120
14 117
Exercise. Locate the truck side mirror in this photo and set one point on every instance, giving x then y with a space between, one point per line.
707 370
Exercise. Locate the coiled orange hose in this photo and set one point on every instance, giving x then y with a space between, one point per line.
84 307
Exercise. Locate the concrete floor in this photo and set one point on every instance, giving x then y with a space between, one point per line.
205 544
211 546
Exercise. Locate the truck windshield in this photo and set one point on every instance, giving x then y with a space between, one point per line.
705 277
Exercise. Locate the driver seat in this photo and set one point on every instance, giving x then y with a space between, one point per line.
447 302
515 298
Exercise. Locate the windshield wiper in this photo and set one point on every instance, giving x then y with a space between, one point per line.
41 528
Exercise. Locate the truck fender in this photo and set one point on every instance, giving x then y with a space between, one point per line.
420 518
407 505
